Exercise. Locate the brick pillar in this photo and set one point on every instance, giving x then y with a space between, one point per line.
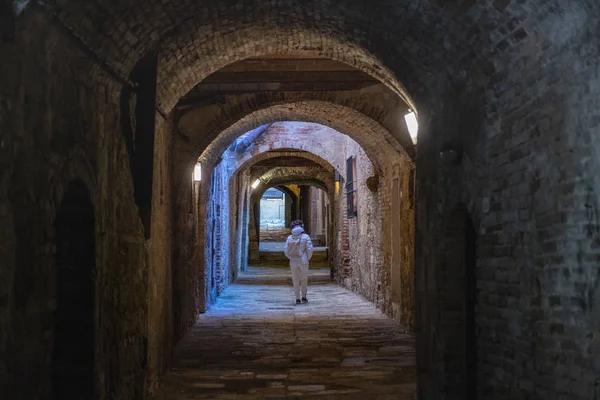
253 232
305 207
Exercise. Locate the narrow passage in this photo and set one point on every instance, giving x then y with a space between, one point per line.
255 344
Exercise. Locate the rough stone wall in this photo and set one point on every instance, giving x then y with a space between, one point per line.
528 179
58 124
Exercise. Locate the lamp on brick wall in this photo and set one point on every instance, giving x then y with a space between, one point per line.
255 183
451 154
412 124
197 172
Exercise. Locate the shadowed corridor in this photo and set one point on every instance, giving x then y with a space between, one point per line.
442 157
255 344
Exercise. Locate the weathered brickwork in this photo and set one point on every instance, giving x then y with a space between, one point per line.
367 265
528 180
511 85
58 125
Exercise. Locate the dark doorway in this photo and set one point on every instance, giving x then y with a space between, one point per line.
73 352
458 296
469 308
244 245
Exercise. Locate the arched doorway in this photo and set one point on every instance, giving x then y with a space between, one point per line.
273 221
458 302
73 352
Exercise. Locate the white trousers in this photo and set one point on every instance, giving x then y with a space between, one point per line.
299 277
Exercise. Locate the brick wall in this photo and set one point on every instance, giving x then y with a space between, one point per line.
514 83
526 180
60 123
360 247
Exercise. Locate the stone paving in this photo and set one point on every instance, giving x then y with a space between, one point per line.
254 343
278 246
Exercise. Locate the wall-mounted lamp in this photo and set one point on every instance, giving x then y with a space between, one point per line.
198 172
255 184
336 176
451 154
413 125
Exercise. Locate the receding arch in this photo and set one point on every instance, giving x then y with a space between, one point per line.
293 199
73 352
250 159
277 182
286 176
180 31
253 40
378 104
376 141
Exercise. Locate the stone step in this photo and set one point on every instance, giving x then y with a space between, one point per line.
319 258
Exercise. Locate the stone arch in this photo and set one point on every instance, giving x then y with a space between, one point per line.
441 59
293 199
377 104
289 175
254 215
253 41
345 32
457 290
373 138
376 141
74 350
250 159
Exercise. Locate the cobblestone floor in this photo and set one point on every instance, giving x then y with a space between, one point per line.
279 246
255 344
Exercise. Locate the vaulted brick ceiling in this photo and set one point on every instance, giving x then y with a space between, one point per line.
278 74
430 46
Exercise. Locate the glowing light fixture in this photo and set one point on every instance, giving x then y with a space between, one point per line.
412 125
256 183
197 172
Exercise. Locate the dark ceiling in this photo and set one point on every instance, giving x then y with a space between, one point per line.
273 74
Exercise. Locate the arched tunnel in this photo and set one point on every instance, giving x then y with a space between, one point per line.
442 157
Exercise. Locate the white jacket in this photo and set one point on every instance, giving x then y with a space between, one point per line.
298 246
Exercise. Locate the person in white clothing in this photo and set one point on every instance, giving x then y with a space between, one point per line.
299 250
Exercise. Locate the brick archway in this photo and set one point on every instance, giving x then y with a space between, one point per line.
252 158
253 254
380 106
180 31
377 142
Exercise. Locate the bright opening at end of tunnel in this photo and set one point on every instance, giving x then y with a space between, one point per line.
413 125
198 172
